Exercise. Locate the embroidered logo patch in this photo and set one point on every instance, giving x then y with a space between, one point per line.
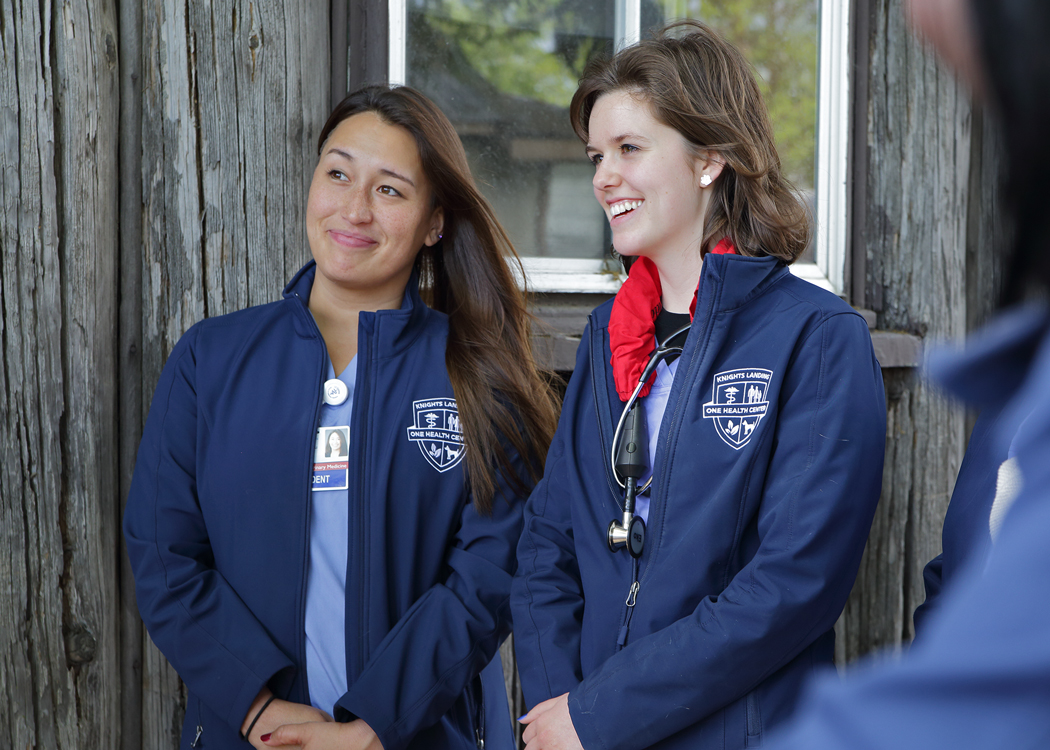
738 403
436 429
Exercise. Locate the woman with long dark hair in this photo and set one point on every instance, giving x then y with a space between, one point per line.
288 585
718 460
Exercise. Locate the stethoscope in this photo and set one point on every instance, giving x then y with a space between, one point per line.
629 457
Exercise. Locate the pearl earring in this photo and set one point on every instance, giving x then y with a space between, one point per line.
706 180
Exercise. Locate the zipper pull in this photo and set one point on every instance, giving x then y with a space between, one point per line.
632 595
197 736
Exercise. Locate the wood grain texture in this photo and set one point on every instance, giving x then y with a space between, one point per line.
58 494
86 62
234 95
129 361
916 214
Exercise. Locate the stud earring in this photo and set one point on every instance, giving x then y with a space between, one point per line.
706 180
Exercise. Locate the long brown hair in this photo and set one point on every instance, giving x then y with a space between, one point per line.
700 85
502 397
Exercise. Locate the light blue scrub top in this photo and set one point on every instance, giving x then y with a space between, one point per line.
655 405
326 576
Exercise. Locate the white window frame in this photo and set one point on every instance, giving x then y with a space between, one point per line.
833 134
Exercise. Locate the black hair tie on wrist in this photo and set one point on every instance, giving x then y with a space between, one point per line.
251 726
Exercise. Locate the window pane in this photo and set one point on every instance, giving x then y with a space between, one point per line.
504 73
778 37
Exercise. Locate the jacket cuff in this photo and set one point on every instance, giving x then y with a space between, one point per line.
361 705
245 696
586 725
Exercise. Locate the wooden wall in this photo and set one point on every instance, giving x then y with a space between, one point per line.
59 500
154 169
931 242
233 95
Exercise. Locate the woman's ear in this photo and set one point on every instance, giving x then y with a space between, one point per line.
437 227
709 167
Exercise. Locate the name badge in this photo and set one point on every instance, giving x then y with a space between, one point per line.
331 465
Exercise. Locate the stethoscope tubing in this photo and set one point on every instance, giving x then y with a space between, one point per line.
663 351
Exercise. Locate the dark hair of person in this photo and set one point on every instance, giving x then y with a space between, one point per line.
1016 62
500 393
700 85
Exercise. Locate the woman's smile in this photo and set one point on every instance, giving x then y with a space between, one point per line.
645 177
351 239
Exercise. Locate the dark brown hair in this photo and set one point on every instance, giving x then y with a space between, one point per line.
700 85
502 397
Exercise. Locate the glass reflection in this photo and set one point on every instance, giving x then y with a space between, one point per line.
779 37
504 73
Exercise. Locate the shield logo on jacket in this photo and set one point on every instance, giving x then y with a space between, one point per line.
738 403
436 430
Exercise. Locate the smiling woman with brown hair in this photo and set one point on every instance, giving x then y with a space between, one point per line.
368 581
718 460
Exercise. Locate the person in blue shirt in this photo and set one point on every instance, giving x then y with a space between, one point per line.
703 512
354 558
978 675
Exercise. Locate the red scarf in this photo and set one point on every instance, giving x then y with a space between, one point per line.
632 322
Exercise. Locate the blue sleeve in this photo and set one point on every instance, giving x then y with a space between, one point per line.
932 580
215 643
966 532
450 633
980 676
820 490
548 593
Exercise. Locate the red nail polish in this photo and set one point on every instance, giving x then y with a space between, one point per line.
266 737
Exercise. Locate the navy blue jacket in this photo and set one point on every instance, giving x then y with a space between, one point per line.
754 538
966 531
217 527
979 678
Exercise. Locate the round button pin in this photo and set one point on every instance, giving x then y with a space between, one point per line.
335 392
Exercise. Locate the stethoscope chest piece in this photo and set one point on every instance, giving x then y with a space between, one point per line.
632 535
630 461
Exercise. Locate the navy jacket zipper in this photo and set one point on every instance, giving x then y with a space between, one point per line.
357 511
695 362
638 574
305 567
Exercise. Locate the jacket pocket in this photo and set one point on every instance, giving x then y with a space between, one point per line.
754 721
198 729
478 711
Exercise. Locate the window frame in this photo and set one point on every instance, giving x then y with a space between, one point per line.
834 125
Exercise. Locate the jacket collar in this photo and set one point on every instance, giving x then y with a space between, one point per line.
632 321
735 280
396 329
997 358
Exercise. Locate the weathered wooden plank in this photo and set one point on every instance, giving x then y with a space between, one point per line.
234 95
58 649
130 354
369 42
916 228
989 233
32 659
86 64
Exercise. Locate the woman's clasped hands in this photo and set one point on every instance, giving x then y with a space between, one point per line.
322 735
548 726
272 722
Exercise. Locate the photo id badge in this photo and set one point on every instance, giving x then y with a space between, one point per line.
330 458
